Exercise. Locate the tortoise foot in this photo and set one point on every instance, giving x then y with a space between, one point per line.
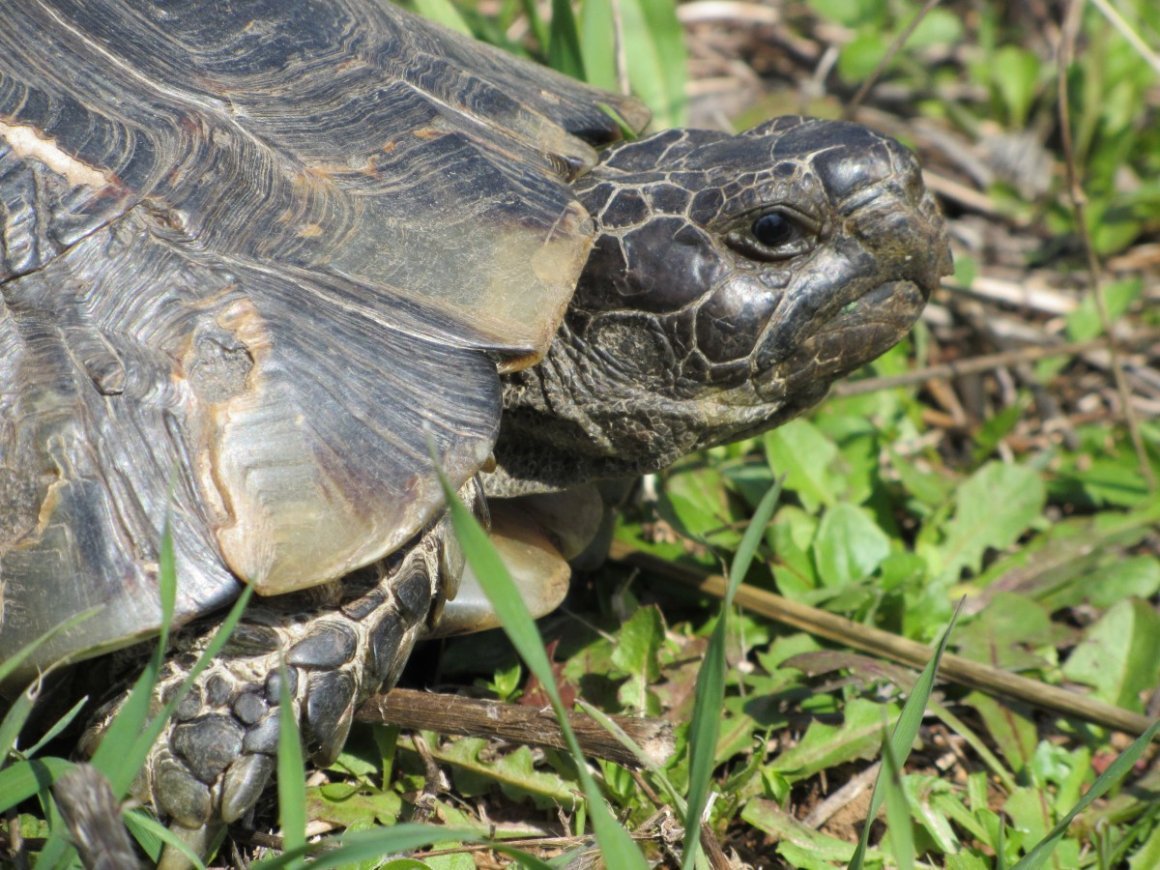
217 753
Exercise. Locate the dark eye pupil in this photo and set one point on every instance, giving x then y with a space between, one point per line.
773 229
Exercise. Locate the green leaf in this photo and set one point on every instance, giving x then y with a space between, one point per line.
1009 726
849 546
1116 771
992 509
804 455
22 780
898 832
514 772
598 44
635 653
902 738
1120 656
1084 324
938 27
824 746
359 846
862 54
1015 77
805 842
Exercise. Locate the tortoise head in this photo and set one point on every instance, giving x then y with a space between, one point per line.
733 279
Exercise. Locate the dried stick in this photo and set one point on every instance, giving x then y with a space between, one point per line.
454 714
1067 42
952 668
985 363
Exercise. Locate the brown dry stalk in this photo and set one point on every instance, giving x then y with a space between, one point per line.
532 726
1067 41
894 48
978 364
952 668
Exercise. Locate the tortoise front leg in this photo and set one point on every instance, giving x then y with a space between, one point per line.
339 644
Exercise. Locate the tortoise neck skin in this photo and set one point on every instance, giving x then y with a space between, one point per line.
733 279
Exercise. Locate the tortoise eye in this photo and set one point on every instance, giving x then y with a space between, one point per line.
777 234
773 229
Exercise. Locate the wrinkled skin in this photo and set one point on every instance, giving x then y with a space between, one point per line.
733 280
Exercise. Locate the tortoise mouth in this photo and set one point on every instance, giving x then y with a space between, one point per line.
862 330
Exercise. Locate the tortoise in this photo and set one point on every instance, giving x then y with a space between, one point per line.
265 269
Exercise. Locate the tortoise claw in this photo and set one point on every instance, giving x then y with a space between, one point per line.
243 785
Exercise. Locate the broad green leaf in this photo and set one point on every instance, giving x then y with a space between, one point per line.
1084 322
513 772
824 746
992 509
805 456
1120 656
635 653
938 27
1009 633
785 830
1137 577
849 546
351 807
1147 857
1015 77
862 54
1009 726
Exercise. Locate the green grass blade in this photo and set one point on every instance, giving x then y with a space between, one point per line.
115 751
564 41
616 846
654 45
710 690
22 780
149 832
1115 772
134 745
9 665
372 845
898 829
903 735
608 724
598 44
536 22
13 722
291 771
57 727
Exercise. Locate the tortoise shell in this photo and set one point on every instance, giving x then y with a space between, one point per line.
257 269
